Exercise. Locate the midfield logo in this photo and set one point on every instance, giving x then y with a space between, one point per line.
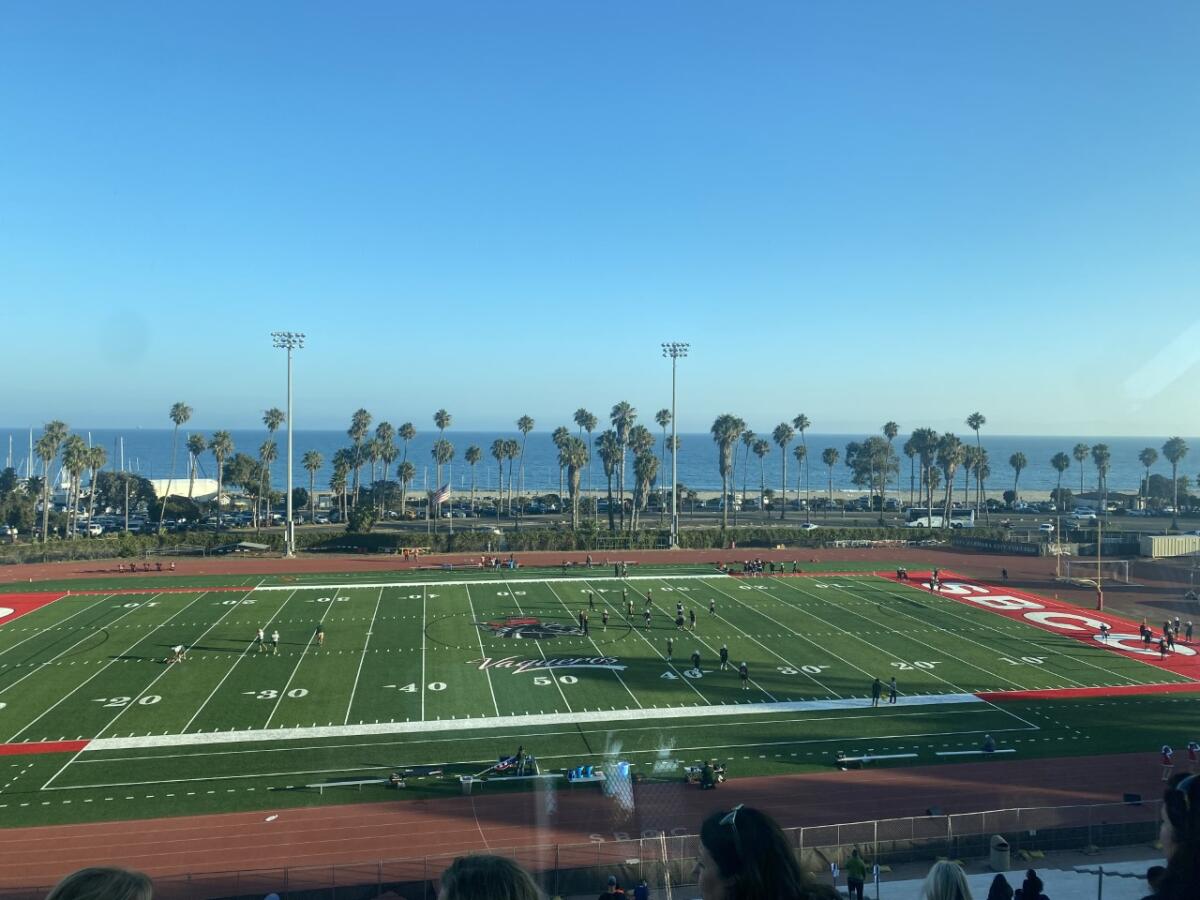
529 629
517 665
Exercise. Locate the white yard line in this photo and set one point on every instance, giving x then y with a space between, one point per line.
657 652
874 715
482 652
114 660
514 722
424 598
538 644
363 658
296 668
476 582
42 631
595 646
241 656
84 639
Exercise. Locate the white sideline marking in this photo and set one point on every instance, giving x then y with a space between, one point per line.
578 579
620 715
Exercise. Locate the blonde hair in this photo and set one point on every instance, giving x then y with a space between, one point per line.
945 881
484 877
99 883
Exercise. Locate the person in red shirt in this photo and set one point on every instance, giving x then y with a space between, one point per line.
1193 749
1168 762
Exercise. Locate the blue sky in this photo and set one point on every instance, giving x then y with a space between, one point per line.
861 211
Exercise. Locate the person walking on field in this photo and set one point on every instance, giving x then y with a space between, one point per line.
695 660
744 675
261 640
591 600
724 657
320 635
275 642
692 617
876 691
856 875
604 618
1168 762
670 647
892 691
712 606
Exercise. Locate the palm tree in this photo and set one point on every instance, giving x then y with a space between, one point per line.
725 429
559 438
312 462
221 447
406 432
761 448
195 446
442 420
910 450
511 451
663 418
74 457
782 436
498 454
1102 457
748 437
1018 462
969 461
96 458
609 449
574 455
645 468
1060 462
473 456
272 418
641 442
890 430
587 422
524 425
360 422
1080 453
405 472
1148 457
180 413
268 452
949 458
829 456
344 461
442 452
802 424
1175 450
386 451
982 472
975 421
925 442
800 452
46 449
622 417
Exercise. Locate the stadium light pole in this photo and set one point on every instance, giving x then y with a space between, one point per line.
289 341
676 351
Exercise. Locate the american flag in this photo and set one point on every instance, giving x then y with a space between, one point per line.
441 495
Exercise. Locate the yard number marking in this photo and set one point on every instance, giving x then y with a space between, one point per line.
294 693
917 664
563 679
148 700
807 670
1027 660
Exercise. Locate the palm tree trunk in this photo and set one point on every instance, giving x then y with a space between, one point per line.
783 485
612 525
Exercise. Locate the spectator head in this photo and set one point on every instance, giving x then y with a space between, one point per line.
1154 876
103 884
945 881
745 856
487 878
1000 889
1031 886
1180 835
612 882
854 852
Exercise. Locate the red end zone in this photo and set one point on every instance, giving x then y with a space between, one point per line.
1066 619
13 606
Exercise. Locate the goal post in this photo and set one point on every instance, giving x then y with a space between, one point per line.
1082 569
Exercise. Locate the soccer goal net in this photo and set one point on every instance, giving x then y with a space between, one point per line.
1084 570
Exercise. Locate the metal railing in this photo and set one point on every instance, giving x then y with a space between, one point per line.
581 869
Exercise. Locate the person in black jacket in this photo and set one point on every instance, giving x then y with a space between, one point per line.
1180 836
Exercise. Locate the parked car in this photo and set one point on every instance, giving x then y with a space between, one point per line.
1046 527
808 526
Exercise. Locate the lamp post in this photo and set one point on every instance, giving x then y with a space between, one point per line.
289 341
676 351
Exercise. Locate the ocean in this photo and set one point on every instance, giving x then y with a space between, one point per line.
148 452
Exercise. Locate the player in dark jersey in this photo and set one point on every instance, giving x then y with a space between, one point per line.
647 615
724 657
744 674
679 622
604 617
712 606
670 647
692 617
591 600
696 660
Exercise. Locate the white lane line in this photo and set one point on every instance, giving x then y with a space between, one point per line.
362 659
482 652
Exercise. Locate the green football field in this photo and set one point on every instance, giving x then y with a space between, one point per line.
449 674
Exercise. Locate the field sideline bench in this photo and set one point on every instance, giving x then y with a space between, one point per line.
336 784
974 752
872 757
